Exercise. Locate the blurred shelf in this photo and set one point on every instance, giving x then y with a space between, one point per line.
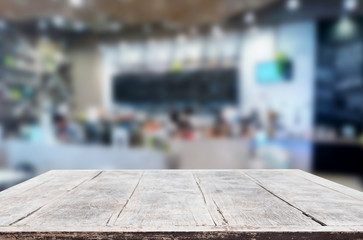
17 70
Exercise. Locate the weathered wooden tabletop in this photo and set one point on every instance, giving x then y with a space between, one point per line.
242 204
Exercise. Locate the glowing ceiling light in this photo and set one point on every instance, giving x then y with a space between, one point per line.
345 28
76 3
59 21
293 5
249 18
350 5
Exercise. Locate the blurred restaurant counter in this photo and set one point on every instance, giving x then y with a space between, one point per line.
219 153
20 160
37 158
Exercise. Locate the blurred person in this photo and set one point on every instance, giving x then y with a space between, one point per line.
186 131
120 137
11 127
132 124
231 116
156 134
126 121
67 131
252 130
106 131
187 115
93 130
62 131
250 124
174 123
136 137
105 125
273 123
221 128
188 124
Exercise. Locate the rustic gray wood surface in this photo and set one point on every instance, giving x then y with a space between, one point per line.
224 204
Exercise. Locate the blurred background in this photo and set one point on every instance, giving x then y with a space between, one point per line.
167 84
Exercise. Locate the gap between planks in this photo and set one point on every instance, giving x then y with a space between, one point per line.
285 201
197 181
127 201
71 190
330 188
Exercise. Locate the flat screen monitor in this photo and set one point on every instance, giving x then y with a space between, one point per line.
274 72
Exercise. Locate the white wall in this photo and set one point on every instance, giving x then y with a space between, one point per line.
294 99
87 84
108 71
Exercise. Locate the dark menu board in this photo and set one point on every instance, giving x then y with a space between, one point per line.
200 87
339 83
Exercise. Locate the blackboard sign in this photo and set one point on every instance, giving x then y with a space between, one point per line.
200 87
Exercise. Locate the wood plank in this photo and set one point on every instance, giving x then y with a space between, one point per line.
234 200
322 204
17 189
332 185
223 204
95 203
29 197
183 235
168 199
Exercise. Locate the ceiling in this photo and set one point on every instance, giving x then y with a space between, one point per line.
171 13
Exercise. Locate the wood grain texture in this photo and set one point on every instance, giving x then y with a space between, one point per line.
224 204
27 198
234 200
324 205
166 199
95 203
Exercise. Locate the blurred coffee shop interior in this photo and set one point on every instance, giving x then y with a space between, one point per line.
188 84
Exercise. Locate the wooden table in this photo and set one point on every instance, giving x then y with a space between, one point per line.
242 204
